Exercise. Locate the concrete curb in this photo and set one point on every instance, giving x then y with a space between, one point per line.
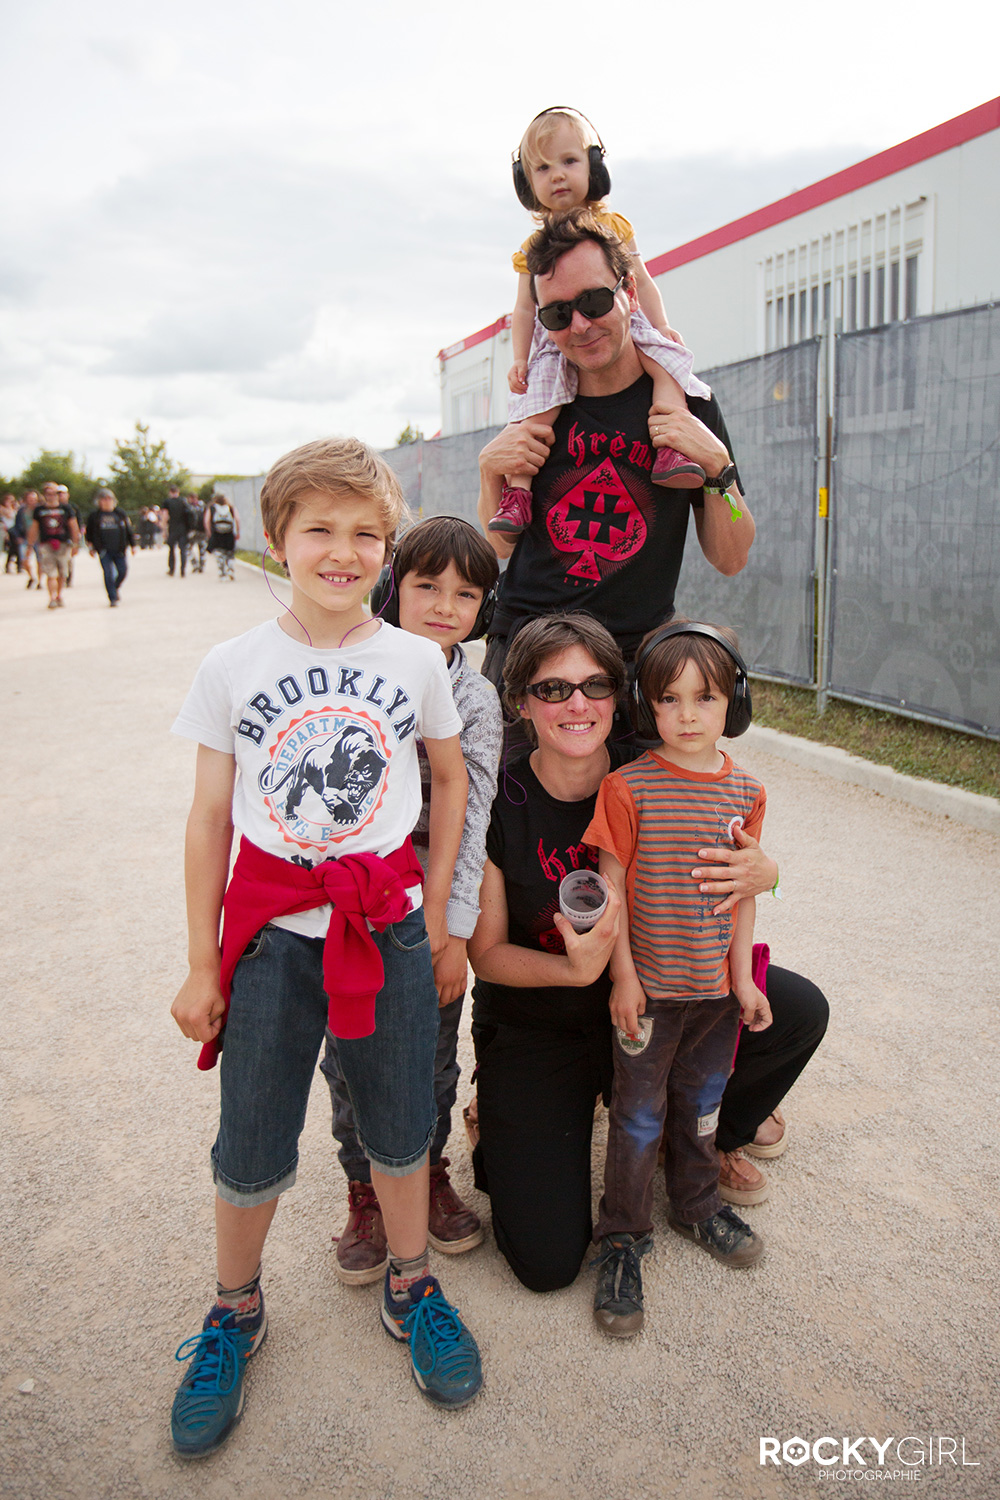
948 801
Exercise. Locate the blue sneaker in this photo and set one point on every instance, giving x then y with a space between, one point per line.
209 1400
444 1356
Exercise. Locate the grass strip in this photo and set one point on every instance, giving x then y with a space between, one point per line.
916 749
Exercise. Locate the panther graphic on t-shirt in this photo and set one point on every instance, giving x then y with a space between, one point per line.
326 776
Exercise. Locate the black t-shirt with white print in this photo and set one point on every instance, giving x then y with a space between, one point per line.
603 537
534 840
53 522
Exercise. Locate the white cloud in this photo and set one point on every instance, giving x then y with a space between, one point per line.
245 225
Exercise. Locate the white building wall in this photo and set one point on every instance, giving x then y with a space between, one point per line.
944 210
717 300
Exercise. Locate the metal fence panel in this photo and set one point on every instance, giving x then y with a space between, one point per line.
770 409
915 585
245 495
440 476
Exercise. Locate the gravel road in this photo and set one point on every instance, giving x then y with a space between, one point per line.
873 1314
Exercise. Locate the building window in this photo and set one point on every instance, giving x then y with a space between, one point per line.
911 286
860 267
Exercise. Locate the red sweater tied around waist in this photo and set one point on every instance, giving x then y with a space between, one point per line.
362 888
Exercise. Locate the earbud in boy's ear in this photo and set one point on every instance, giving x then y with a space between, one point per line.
740 710
384 597
599 185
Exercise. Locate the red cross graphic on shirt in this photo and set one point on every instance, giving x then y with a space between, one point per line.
599 520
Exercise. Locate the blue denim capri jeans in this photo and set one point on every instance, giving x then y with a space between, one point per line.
275 1028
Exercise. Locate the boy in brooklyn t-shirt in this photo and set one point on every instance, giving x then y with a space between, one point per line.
306 729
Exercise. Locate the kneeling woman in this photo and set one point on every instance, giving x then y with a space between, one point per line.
541 1023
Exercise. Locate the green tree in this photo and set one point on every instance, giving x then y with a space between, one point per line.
60 468
409 435
141 470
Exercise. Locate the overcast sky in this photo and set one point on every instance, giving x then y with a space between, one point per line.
250 224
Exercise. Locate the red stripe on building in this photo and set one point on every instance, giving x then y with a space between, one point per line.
475 338
976 122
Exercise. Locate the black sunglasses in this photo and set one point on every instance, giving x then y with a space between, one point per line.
557 690
595 302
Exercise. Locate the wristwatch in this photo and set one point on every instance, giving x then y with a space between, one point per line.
721 482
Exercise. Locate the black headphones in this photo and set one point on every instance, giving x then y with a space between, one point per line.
740 710
384 597
600 178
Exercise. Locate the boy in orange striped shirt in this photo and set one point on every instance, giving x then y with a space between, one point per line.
681 976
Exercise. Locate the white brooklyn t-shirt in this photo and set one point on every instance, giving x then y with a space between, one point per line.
325 741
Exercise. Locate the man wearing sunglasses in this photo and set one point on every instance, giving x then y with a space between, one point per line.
603 537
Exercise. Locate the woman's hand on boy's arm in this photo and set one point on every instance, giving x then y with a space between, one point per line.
735 873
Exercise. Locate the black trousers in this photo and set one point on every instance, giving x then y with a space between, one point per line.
536 1093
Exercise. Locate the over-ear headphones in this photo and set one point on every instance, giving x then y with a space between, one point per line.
384 598
740 710
599 185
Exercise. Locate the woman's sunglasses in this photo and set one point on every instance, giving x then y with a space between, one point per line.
557 690
595 302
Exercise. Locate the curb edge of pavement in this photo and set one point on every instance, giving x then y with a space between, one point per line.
930 796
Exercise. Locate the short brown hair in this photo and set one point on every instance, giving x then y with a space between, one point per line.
562 233
547 635
330 464
667 660
431 545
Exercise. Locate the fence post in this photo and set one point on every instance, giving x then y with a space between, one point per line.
825 500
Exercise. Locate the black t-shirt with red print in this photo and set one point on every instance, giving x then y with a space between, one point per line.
534 840
603 537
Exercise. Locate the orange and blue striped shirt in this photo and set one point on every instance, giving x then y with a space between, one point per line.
653 817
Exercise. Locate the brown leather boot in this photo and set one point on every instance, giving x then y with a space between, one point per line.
740 1182
362 1252
451 1225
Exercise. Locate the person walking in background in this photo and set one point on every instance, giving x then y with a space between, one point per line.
176 522
8 515
223 534
54 529
25 552
196 534
108 533
74 511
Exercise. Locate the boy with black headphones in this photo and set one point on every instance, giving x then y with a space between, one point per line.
681 977
441 585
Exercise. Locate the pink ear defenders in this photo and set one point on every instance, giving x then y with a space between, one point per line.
600 178
740 710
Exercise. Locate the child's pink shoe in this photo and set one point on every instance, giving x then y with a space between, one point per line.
513 512
676 472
